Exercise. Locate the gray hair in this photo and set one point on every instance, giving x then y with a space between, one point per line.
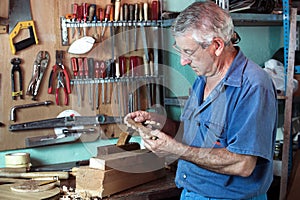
205 20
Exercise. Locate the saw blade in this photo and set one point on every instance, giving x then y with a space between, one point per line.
19 10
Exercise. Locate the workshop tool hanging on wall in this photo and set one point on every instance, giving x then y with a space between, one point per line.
20 19
55 69
39 67
61 85
15 108
68 121
16 68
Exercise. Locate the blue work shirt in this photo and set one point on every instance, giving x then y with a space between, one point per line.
240 114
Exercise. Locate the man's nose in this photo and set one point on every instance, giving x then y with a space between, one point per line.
184 60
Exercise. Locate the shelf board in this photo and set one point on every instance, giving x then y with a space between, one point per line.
256 19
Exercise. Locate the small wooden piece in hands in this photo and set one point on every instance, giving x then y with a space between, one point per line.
140 128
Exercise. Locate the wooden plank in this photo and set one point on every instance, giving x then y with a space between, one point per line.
100 183
131 161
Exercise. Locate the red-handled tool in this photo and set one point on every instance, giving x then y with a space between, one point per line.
60 84
55 69
75 73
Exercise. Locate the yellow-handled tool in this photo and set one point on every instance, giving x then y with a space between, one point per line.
20 19
26 42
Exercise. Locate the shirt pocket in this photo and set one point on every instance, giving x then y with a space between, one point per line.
214 134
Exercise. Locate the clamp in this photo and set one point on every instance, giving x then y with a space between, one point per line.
16 69
60 84
57 68
39 67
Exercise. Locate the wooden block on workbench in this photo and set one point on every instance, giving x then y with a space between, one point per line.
109 149
137 161
101 183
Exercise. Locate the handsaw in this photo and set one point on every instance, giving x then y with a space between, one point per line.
20 18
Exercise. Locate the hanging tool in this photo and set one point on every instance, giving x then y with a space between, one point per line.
74 8
55 69
15 108
148 85
74 65
61 84
101 18
155 10
106 18
117 10
93 18
125 9
16 68
109 76
20 19
85 16
102 76
136 17
90 77
97 76
68 121
79 19
123 71
80 76
131 19
39 67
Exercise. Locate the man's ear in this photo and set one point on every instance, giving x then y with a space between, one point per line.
218 45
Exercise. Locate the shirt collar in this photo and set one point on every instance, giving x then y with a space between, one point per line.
234 76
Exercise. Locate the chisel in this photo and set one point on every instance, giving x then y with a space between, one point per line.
97 76
91 77
102 76
136 17
123 70
74 16
75 72
125 9
106 18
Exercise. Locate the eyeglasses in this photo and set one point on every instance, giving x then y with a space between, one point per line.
189 53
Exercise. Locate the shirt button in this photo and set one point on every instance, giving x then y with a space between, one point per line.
184 176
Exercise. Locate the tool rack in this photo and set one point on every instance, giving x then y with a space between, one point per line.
67 23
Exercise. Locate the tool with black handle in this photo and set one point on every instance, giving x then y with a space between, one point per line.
16 69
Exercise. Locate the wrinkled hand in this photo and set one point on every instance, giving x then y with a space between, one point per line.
162 146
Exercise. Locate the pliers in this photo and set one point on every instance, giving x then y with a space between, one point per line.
16 68
39 67
60 84
57 68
